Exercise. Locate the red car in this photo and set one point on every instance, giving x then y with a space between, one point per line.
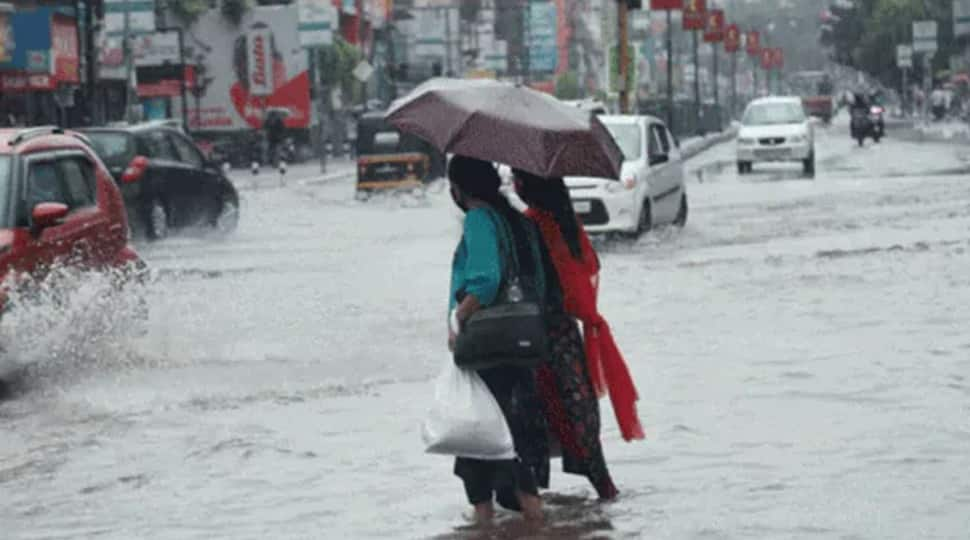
58 205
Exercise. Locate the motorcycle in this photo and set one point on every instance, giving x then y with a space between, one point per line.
876 114
867 122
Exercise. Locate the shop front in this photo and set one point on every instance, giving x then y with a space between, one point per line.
39 74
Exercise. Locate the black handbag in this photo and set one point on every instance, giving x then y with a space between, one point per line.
512 330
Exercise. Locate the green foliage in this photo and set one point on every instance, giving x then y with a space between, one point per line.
568 87
188 11
866 35
336 65
234 10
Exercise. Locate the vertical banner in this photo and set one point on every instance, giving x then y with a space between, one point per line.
7 42
714 30
260 63
732 38
694 14
753 43
767 58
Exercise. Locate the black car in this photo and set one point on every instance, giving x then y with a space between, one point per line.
166 181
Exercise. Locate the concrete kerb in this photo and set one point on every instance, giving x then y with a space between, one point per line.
697 145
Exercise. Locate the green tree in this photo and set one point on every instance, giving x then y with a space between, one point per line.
567 86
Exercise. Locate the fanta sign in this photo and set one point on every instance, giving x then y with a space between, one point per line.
260 66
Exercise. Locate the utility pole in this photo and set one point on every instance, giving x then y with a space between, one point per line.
449 69
697 84
717 94
623 54
734 84
130 93
670 71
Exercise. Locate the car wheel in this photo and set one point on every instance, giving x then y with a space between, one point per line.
808 165
744 167
158 221
228 218
681 218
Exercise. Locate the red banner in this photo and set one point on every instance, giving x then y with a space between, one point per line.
64 50
163 88
714 31
778 59
767 58
15 81
662 5
753 42
732 38
694 11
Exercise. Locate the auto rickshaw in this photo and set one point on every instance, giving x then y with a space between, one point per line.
390 160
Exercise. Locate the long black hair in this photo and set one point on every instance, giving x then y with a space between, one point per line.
551 195
479 179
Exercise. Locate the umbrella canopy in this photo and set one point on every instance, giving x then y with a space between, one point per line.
495 121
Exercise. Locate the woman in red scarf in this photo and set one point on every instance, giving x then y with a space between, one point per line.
577 375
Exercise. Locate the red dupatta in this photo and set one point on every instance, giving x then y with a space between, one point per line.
580 286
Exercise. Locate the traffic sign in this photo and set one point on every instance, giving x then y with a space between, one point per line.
317 19
904 56
924 36
961 17
140 16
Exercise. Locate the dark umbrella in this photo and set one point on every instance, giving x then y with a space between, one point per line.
517 126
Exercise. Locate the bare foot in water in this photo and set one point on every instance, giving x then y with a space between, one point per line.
484 514
531 507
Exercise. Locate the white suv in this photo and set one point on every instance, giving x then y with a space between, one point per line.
776 129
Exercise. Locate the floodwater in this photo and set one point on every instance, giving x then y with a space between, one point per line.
800 350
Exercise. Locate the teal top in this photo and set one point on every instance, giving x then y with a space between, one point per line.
476 266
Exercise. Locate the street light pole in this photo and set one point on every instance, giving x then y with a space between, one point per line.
623 71
130 93
670 71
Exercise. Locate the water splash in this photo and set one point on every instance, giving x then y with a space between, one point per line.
58 326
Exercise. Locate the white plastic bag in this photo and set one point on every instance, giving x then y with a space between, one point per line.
465 420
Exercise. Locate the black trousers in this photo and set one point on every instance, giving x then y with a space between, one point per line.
514 390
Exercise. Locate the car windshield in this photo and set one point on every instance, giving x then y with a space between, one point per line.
774 113
628 138
113 147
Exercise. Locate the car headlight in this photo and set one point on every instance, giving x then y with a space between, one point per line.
745 141
614 187
798 138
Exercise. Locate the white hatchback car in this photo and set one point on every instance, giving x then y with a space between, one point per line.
776 129
651 189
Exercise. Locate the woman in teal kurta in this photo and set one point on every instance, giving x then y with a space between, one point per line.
476 276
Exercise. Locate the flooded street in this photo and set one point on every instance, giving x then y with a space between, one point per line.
800 349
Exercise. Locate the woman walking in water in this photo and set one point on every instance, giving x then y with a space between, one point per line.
576 375
476 276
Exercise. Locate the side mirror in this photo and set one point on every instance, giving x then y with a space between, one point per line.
657 159
135 170
48 214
